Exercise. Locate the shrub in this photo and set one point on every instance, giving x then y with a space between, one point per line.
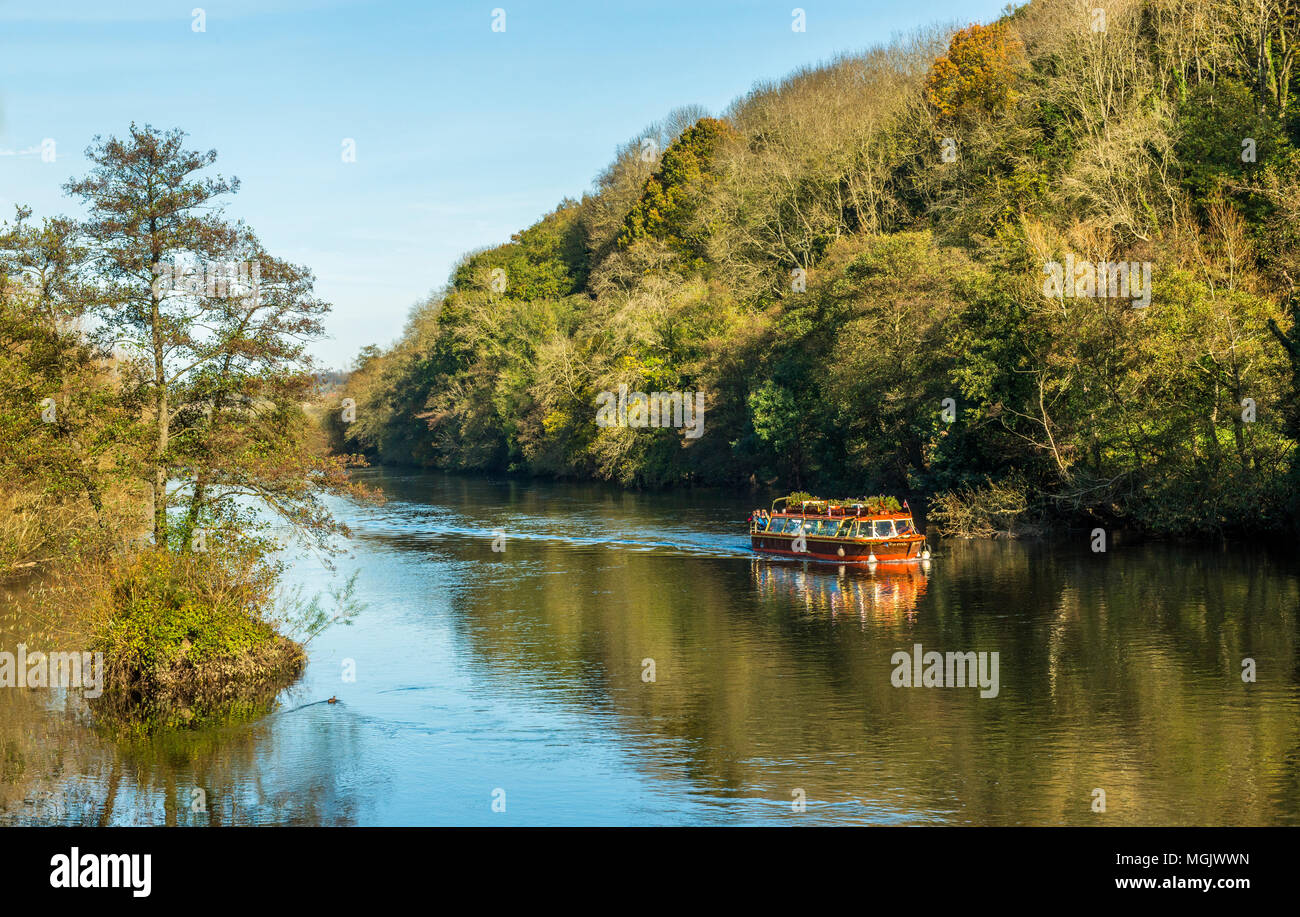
981 511
182 630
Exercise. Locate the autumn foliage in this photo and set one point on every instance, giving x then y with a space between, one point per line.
978 73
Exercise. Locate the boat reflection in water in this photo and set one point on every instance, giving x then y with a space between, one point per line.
887 594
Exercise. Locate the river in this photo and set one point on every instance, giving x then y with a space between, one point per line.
625 659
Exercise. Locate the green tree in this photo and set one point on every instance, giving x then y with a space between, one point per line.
667 208
212 333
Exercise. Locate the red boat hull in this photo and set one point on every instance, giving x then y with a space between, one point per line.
901 549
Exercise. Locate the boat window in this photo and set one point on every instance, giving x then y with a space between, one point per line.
904 526
884 528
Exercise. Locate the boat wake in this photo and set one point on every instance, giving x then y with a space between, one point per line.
700 544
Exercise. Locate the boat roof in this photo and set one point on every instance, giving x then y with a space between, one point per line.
840 512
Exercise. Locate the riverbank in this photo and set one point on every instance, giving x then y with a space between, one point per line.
985 509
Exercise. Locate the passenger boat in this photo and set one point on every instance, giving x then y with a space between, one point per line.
868 531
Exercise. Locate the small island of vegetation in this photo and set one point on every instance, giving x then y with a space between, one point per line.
156 387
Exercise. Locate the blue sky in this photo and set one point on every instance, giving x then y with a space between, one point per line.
463 135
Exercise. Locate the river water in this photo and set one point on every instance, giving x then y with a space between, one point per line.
625 659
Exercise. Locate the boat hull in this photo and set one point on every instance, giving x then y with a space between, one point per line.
902 549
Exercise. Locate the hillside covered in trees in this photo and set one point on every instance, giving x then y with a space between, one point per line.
880 274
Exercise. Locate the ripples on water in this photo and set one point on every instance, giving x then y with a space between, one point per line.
522 671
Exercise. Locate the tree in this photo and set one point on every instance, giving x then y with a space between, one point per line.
212 331
977 75
668 203
60 416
